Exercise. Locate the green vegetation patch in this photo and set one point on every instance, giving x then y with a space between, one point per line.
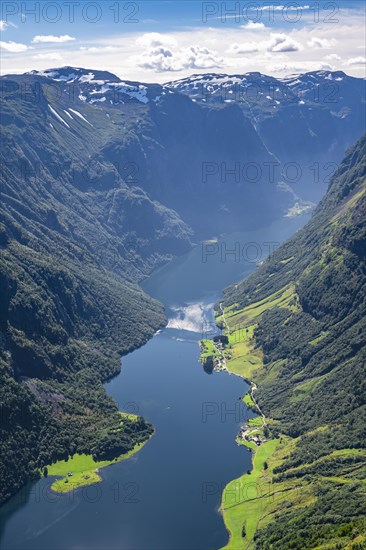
245 498
284 297
319 338
256 421
84 470
248 400
309 317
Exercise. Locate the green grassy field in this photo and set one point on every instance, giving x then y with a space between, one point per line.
248 400
256 421
250 499
253 500
208 349
244 358
84 469
319 338
285 297
244 499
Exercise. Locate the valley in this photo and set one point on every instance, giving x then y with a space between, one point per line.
110 190
194 435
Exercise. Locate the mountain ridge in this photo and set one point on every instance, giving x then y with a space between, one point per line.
306 119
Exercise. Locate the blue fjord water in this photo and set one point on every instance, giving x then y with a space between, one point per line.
166 497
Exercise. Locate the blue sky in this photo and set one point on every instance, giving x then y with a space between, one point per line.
163 40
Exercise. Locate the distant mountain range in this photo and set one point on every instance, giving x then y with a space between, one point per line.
104 180
306 119
212 147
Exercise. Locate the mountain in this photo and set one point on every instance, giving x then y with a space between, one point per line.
104 180
101 183
306 121
297 329
75 241
179 153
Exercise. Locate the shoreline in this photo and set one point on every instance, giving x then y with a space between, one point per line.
87 470
251 500
236 493
90 474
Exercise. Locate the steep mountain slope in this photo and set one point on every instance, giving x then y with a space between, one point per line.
308 119
178 152
297 329
102 181
86 159
92 169
70 263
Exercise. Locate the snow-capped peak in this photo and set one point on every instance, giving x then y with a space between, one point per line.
101 86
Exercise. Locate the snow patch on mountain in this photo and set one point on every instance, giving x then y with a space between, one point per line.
103 84
55 113
80 116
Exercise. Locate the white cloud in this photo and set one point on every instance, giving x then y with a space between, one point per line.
253 7
301 67
155 39
197 57
162 54
50 38
277 44
51 56
356 61
316 42
246 47
99 49
289 7
252 26
158 59
13 47
3 25
162 59
283 43
333 57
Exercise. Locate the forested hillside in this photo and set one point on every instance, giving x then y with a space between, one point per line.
300 329
103 181
73 249
92 168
